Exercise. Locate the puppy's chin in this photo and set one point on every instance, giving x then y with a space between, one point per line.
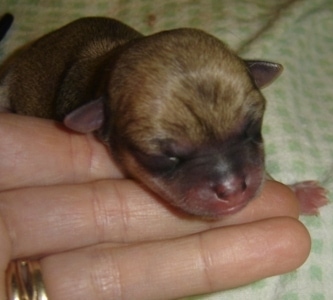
206 199
214 200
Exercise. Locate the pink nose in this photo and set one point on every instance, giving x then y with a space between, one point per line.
229 188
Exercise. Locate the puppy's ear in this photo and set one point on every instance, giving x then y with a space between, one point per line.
87 118
263 72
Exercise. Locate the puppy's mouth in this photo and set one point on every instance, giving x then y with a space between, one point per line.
229 196
226 208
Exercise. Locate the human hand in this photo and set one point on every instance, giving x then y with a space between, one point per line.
101 236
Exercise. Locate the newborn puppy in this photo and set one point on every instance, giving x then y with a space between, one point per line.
179 110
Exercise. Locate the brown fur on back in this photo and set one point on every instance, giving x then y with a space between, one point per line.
41 67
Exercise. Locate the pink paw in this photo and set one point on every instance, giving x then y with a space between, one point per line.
311 196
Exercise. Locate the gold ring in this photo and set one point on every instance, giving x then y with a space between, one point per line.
24 281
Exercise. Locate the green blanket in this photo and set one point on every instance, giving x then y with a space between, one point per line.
298 125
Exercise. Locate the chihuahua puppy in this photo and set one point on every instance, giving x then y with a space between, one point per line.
180 111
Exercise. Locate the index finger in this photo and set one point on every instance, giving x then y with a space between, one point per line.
36 152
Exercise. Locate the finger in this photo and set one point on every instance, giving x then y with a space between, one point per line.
198 264
40 152
58 218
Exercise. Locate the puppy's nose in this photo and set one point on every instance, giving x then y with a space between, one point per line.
230 187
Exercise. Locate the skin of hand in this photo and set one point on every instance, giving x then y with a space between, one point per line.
101 236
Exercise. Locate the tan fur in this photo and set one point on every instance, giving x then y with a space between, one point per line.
174 106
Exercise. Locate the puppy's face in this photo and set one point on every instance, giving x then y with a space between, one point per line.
184 116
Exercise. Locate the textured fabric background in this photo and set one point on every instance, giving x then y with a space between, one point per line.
298 125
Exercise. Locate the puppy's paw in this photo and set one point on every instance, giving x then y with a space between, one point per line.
310 195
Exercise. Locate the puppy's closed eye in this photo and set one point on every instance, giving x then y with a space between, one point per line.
160 164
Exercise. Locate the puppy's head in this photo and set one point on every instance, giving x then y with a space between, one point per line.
183 115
